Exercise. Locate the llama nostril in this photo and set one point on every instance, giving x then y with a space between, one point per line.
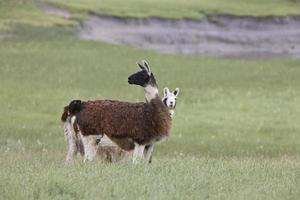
129 80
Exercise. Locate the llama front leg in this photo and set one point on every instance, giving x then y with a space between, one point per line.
138 152
148 153
90 145
71 140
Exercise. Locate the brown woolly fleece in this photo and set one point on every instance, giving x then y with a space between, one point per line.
125 122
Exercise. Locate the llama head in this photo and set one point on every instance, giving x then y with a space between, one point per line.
169 99
145 78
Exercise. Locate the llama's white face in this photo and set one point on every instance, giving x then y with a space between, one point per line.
170 98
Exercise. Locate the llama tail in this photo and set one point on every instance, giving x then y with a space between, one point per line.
64 116
72 109
75 107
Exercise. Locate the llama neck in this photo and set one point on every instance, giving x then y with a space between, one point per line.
172 112
160 117
151 92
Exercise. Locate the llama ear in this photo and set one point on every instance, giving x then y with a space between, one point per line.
176 92
141 66
166 91
146 65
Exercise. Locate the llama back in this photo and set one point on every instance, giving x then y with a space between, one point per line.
105 116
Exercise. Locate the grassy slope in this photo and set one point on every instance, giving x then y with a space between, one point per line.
27 12
183 8
235 134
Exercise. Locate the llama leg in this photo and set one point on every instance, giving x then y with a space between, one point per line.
86 147
148 153
138 152
79 144
90 146
71 140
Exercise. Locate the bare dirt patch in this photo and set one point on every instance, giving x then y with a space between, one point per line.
221 36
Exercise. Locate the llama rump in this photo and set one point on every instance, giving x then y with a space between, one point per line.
107 150
73 139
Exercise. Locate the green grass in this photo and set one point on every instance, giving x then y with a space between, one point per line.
235 134
46 177
27 12
228 108
183 8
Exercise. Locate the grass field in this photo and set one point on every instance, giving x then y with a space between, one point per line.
235 134
27 12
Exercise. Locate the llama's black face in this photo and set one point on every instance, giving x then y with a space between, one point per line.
140 78
143 77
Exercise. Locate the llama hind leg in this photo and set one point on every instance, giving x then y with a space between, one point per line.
71 140
90 144
138 152
148 153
